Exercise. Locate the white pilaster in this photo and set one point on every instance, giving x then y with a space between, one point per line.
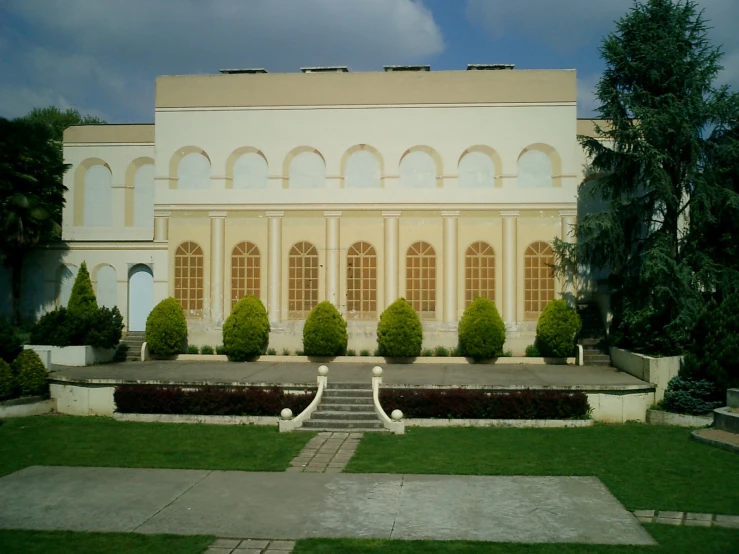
568 219
451 220
217 241
510 245
161 226
392 220
333 223
274 269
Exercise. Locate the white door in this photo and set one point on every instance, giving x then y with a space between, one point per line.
140 297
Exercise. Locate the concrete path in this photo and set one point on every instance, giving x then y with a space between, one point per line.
326 452
500 376
301 505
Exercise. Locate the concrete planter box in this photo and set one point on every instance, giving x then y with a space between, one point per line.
77 356
658 417
517 423
26 406
380 360
727 419
657 371
205 419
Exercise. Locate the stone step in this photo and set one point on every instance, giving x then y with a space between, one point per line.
341 424
595 356
343 430
349 386
343 416
357 401
591 341
366 407
354 393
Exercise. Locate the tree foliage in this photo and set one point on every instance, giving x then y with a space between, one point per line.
57 120
324 332
246 330
481 330
659 163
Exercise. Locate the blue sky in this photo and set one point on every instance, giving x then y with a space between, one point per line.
101 56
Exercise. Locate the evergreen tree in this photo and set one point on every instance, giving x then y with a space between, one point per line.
655 164
82 301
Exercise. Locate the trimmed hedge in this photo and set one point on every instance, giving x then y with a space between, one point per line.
246 330
475 404
481 330
686 396
7 381
29 374
557 329
166 328
324 332
399 332
251 401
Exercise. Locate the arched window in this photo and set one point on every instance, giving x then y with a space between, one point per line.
188 277
143 196
362 170
193 171
476 170
98 196
420 279
307 171
106 286
361 281
250 171
418 170
538 278
534 170
479 272
303 280
245 271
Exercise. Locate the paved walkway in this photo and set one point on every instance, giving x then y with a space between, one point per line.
503 376
250 546
289 506
326 452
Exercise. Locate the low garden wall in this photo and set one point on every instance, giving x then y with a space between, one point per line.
657 371
26 406
382 360
204 419
77 356
660 417
513 423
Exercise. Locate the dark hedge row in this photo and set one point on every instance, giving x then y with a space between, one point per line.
246 401
468 404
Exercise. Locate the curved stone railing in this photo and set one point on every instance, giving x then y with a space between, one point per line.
290 423
394 423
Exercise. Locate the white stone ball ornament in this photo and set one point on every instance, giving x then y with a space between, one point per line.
397 415
322 370
377 371
286 413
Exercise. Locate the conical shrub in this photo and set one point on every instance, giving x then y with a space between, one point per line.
399 332
246 330
82 302
324 332
166 328
481 330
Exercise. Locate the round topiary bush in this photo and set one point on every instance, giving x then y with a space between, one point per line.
7 381
481 330
246 330
166 328
30 373
10 344
324 332
557 330
399 332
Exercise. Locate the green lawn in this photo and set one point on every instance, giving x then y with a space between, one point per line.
672 540
644 466
104 442
63 542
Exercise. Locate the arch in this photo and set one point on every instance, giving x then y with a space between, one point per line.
420 279
140 296
307 172
362 167
33 291
302 280
195 174
247 168
245 271
139 198
420 167
361 281
538 278
539 166
106 285
88 194
65 276
188 278
479 272
479 167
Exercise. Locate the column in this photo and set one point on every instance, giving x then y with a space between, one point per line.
217 241
161 226
333 221
568 219
510 226
451 220
274 269
392 220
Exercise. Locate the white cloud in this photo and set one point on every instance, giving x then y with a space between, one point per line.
79 48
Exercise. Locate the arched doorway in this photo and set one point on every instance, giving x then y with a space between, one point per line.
140 296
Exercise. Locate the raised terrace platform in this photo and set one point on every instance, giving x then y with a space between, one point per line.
614 396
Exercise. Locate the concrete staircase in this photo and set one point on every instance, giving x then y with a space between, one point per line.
593 336
345 407
129 349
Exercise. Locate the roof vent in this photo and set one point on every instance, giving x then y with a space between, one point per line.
239 71
407 68
326 69
489 66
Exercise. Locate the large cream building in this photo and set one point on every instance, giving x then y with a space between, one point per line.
357 188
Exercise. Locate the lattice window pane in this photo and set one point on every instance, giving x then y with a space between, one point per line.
421 279
539 279
246 272
188 266
479 272
303 282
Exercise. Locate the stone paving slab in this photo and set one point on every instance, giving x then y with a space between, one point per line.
289 506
